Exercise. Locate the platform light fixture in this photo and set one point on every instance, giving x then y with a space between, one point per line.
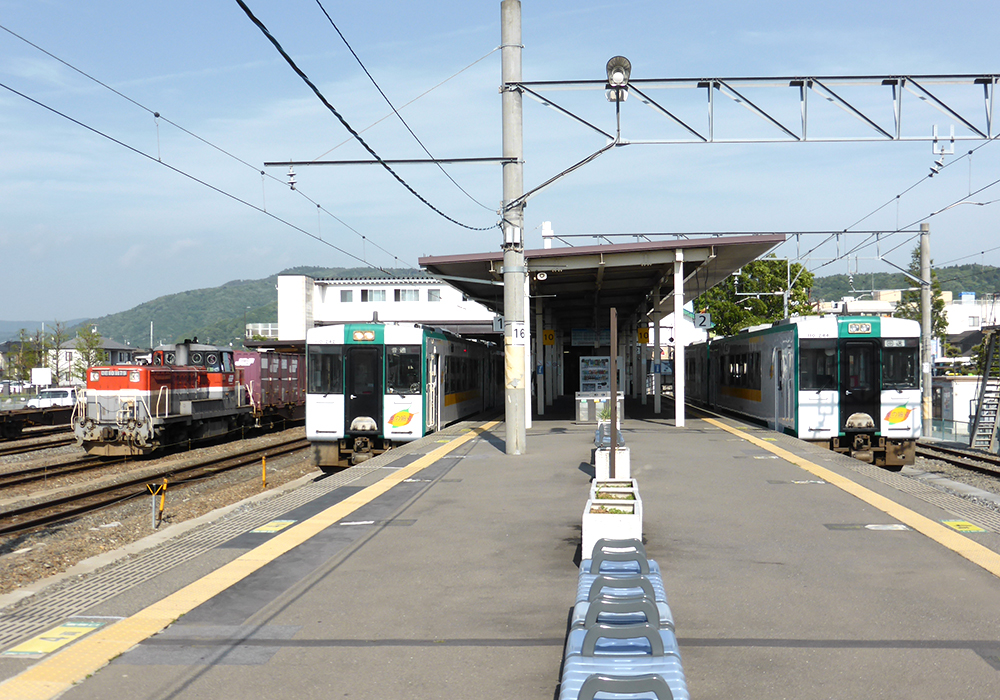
619 69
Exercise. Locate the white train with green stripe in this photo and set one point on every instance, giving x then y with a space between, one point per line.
850 382
375 385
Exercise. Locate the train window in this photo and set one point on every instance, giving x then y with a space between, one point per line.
326 369
212 362
901 364
402 365
227 362
817 365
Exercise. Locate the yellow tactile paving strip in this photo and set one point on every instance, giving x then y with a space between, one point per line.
56 674
943 535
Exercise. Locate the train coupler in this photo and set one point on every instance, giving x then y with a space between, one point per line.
362 451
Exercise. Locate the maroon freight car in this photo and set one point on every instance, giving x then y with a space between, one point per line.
275 383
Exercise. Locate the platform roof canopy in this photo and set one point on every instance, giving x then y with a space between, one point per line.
579 285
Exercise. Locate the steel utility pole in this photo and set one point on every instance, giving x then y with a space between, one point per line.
514 331
925 327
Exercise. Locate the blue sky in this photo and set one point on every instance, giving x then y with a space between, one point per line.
89 227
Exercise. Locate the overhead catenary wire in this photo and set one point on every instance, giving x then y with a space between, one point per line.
960 200
157 116
899 229
393 107
326 103
188 175
407 104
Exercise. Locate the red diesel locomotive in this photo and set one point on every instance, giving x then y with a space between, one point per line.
189 392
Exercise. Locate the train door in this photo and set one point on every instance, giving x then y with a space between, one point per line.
777 373
363 390
859 379
784 388
431 395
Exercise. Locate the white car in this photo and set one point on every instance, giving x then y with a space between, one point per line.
58 396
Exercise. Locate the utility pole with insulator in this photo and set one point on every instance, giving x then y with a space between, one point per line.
514 331
926 327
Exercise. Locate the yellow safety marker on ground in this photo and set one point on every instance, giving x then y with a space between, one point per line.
272 527
973 551
58 673
55 638
962 526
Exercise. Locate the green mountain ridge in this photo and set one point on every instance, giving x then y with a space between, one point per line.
980 279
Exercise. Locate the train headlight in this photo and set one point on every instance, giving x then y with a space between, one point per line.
364 335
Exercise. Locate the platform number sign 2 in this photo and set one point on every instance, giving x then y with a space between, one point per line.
703 321
642 336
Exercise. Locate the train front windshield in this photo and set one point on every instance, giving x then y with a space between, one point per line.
817 365
900 363
326 369
403 369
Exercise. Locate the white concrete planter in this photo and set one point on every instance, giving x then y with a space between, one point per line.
610 519
602 464
613 484
601 490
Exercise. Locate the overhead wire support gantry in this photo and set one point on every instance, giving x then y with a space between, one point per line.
925 89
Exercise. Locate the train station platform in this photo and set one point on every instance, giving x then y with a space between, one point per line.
447 569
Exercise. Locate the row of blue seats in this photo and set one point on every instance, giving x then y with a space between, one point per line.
621 641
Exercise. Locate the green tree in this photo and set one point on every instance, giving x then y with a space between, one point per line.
757 295
909 305
30 353
56 339
28 356
89 352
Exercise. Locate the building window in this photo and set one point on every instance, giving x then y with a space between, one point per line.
433 295
372 295
973 322
346 296
407 295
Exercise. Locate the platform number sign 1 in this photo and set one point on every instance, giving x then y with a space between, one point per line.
642 336
548 337
703 321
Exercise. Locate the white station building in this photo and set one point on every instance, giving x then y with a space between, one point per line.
304 303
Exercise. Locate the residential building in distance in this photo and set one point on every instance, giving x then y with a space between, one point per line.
70 358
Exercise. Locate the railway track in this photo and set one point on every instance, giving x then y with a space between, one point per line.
34 444
30 475
47 512
980 462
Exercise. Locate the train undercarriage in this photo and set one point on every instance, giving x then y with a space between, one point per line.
876 449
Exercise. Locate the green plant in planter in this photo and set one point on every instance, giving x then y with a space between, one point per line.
614 496
605 413
610 510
